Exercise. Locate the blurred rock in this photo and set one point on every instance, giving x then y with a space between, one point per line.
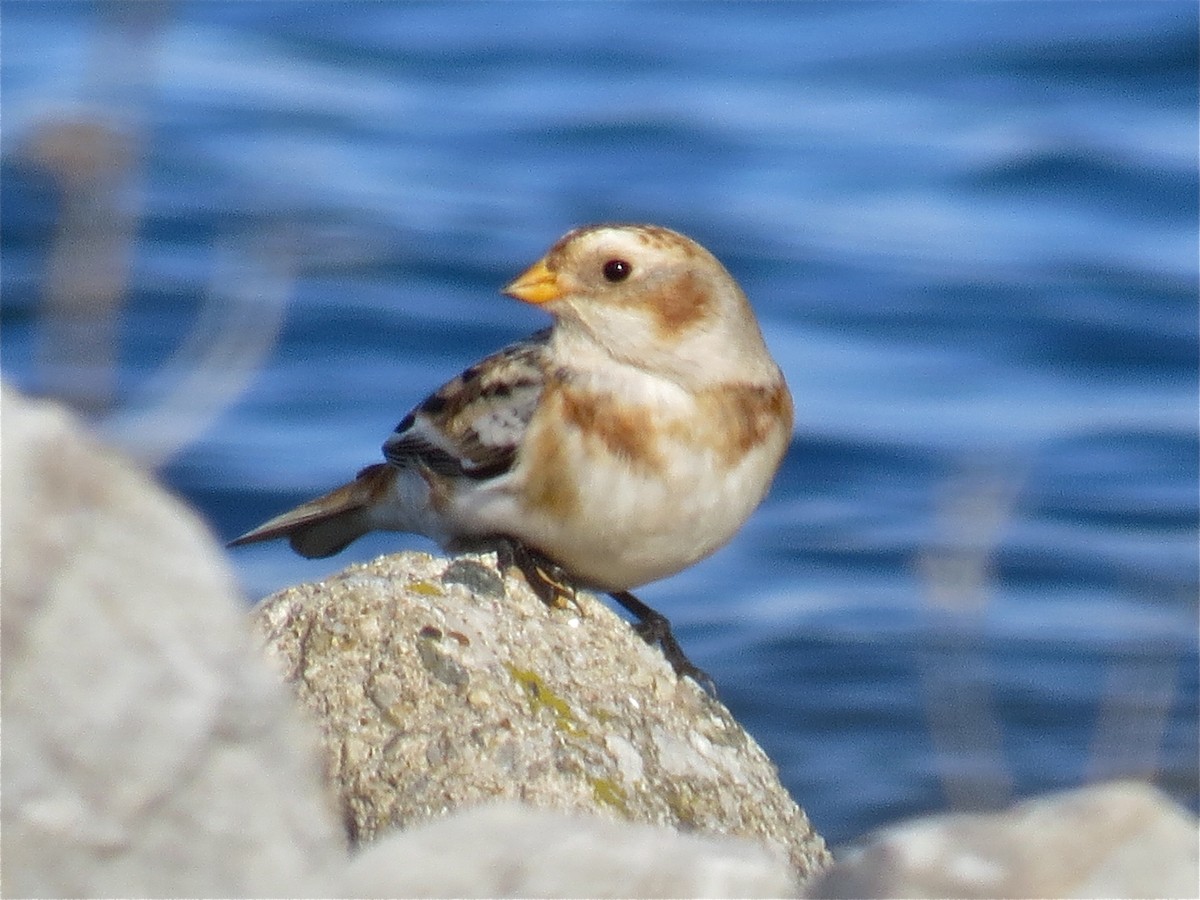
507 850
147 748
444 684
1113 840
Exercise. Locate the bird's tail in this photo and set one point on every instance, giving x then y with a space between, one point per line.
331 522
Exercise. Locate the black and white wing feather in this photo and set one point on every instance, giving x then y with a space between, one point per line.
474 424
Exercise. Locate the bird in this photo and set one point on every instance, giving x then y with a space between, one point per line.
627 441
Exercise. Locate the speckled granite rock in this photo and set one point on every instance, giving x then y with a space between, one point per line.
443 684
1110 840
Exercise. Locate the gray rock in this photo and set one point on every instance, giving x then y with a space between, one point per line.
442 685
507 850
1113 840
147 752
147 748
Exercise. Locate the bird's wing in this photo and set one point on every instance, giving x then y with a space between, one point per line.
474 424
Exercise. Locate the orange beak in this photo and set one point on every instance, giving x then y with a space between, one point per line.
536 285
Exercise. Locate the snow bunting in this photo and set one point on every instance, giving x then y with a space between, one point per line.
621 445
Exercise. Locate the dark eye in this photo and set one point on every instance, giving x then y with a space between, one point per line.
617 270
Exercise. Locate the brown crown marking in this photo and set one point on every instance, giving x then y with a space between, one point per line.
654 236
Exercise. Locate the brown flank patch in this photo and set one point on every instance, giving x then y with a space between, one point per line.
550 483
748 414
625 431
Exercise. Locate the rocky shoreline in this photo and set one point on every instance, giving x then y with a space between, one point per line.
426 727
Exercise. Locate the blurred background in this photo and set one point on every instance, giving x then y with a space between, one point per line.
244 238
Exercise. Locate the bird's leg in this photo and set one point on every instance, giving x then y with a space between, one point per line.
655 628
553 587
545 578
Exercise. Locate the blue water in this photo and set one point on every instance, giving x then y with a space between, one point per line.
970 232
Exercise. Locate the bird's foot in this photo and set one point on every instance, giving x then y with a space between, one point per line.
553 586
546 579
655 628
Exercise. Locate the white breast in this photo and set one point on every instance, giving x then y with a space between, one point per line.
616 513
